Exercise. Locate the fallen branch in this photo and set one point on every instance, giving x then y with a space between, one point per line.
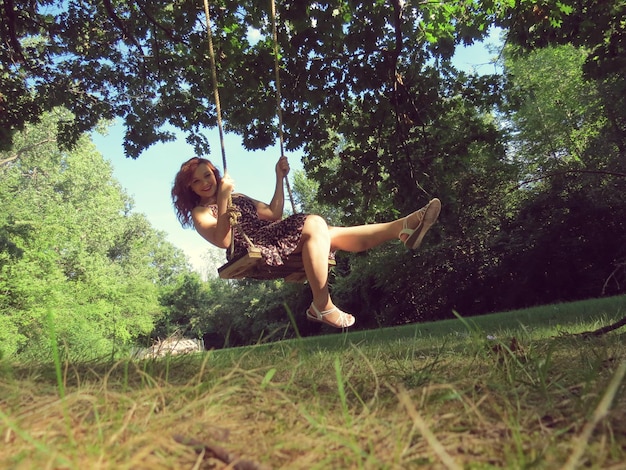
605 329
219 453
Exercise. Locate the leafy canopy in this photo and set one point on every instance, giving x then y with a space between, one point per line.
147 62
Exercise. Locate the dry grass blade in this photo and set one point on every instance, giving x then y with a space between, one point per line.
423 428
580 443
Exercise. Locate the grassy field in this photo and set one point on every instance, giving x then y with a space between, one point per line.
511 390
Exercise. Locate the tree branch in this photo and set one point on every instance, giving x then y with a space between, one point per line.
19 153
618 266
168 32
564 172
120 24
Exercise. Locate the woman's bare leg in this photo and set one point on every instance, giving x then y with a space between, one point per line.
315 245
315 248
318 240
363 237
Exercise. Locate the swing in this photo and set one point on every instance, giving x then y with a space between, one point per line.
251 265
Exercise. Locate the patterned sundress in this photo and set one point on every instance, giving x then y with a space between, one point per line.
276 240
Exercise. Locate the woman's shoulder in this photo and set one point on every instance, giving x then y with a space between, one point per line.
203 209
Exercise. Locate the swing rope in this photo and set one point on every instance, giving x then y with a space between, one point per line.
216 93
233 214
218 107
279 100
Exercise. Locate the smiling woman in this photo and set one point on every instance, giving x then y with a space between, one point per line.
194 185
205 200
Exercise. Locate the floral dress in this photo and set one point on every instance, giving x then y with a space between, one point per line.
276 240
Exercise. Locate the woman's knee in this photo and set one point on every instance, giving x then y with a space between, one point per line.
315 222
315 226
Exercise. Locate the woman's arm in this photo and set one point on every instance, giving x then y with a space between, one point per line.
274 211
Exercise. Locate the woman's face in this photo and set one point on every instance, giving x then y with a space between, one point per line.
204 183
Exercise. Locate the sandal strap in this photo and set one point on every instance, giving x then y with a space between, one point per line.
316 315
405 224
321 314
406 231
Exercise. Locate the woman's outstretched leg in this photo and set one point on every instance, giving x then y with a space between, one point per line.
363 237
410 230
318 240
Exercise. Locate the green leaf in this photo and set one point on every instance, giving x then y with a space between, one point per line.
565 8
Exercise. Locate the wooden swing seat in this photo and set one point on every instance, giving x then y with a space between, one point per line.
250 265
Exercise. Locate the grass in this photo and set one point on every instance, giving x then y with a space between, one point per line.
510 390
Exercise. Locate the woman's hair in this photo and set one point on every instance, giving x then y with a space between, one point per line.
183 197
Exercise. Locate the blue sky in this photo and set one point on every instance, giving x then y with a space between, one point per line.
148 179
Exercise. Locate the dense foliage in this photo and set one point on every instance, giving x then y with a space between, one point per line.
73 254
530 164
147 62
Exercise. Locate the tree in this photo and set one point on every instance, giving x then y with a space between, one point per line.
185 302
307 198
73 250
556 113
384 121
594 28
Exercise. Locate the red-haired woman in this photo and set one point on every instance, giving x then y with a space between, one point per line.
200 196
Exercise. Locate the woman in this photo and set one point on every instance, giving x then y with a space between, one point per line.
201 199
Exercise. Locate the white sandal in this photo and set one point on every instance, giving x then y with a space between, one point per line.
344 320
429 214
